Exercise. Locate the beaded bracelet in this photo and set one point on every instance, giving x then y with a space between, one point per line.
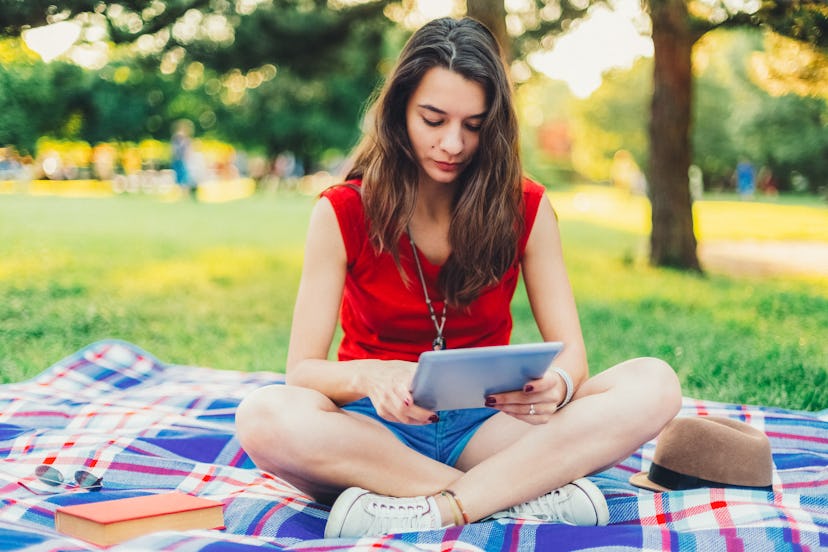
569 386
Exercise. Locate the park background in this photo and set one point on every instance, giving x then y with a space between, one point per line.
99 242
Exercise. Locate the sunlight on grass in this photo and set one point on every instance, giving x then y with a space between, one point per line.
33 264
605 206
731 220
217 266
714 220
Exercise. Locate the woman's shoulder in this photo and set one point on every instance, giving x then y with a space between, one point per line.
346 191
345 198
532 195
532 188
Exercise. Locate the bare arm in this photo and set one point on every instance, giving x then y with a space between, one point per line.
315 318
553 306
550 293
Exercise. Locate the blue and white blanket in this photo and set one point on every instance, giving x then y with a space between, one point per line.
150 427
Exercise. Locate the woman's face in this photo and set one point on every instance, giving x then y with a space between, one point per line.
443 116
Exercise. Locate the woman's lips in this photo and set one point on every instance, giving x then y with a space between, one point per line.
447 167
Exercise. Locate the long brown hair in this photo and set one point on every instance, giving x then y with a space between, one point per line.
487 209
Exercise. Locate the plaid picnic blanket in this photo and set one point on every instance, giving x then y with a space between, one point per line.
150 427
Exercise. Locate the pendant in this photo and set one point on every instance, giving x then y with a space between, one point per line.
439 343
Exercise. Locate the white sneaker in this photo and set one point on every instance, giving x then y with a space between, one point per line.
577 503
358 513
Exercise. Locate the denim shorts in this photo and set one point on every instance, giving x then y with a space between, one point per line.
443 441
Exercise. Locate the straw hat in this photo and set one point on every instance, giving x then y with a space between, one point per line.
708 452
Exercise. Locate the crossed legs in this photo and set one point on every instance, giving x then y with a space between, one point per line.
507 462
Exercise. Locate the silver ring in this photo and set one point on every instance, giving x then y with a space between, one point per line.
532 409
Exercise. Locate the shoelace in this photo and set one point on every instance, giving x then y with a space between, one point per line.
548 507
398 516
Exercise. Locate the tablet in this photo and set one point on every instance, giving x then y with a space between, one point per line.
462 378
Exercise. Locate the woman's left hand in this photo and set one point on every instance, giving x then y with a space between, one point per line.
536 402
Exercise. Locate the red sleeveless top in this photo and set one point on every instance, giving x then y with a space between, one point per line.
384 318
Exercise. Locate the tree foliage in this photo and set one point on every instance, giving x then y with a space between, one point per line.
37 98
215 61
528 26
735 115
613 118
676 26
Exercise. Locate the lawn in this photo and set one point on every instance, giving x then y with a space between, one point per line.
213 285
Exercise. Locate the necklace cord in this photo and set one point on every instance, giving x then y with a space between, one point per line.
439 341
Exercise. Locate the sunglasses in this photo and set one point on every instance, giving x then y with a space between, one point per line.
54 478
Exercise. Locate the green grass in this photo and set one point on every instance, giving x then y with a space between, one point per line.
213 285
192 283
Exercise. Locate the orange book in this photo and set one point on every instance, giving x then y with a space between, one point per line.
112 521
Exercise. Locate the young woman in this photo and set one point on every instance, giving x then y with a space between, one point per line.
420 248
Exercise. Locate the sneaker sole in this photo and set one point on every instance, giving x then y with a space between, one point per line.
596 497
339 511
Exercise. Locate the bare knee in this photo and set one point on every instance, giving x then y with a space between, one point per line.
656 388
256 418
269 425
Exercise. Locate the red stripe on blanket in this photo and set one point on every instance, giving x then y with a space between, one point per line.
809 438
805 484
662 517
514 535
265 516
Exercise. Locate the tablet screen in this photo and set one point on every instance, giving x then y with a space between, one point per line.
462 378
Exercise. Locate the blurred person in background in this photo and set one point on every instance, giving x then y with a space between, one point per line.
182 155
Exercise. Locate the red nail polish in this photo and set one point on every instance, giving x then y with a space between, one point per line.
434 419
528 388
490 401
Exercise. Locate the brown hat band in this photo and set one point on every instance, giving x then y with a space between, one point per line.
680 482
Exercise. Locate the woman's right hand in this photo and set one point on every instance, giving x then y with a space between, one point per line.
388 385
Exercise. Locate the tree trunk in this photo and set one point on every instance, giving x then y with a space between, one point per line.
492 13
672 241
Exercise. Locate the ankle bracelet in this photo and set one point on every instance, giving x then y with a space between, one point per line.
459 513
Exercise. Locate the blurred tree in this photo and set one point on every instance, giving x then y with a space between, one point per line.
676 26
788 135
721 97
528 26
122 101
780 125
613 118
733 114
326 53
493 15
36 98
326 61
787 66
306 108
546 130
126 103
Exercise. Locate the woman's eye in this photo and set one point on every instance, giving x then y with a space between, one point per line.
432 123
473 128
